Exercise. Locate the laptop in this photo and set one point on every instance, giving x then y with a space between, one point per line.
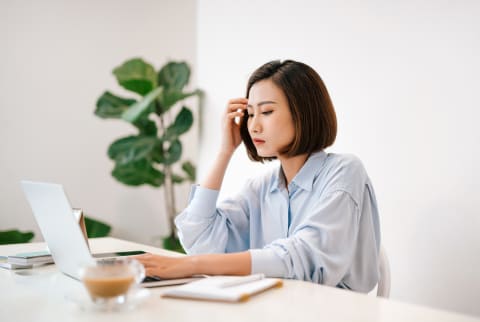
63 235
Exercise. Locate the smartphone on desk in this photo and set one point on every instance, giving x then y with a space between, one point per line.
119 254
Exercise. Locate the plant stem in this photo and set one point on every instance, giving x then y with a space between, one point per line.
169 191
169 197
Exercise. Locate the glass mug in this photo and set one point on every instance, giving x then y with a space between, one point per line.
109 280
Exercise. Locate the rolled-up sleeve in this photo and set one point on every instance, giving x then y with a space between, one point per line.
204 228
320 249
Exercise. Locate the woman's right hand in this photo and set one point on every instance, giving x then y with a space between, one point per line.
231 138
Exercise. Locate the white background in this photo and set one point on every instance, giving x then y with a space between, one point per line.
403 76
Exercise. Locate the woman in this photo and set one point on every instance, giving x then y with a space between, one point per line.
313 218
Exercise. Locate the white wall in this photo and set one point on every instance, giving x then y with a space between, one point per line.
56 59
405 79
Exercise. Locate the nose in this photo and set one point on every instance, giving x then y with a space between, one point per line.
254 125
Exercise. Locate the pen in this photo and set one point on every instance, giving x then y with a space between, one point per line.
242 280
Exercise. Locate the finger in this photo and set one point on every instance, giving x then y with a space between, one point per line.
233 115
146 255
148 260
146 263
235 107
151 272
241 100
149 265
143 257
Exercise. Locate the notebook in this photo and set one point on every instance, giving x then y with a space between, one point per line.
30 258
60 229
4 263
224 288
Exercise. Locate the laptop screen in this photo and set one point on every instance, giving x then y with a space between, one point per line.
61 232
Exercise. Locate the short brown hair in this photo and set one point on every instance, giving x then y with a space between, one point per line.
313 115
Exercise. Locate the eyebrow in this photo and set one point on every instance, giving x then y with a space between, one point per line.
263 103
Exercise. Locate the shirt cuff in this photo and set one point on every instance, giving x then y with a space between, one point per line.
266 261
205 199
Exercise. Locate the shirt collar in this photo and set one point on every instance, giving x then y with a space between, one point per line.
304 178
277 180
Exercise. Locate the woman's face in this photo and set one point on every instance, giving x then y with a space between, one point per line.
270 122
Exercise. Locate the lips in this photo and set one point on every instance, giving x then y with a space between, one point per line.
258 141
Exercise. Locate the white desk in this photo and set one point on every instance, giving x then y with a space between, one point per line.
39 295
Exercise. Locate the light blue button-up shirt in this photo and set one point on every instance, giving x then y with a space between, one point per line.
324 228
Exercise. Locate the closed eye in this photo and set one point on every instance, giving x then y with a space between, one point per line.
250 115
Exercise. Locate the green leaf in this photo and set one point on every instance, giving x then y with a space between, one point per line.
173 153
174 76
168 98
190 170
112 106
172 243
157 154
15 237
146 126
136 75
132 148
96 228
140 108
138 173
182 124
177 179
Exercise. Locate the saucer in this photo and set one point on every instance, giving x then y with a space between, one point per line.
134 297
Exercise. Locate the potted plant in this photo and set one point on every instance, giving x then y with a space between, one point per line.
94 228
15 236
149 156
